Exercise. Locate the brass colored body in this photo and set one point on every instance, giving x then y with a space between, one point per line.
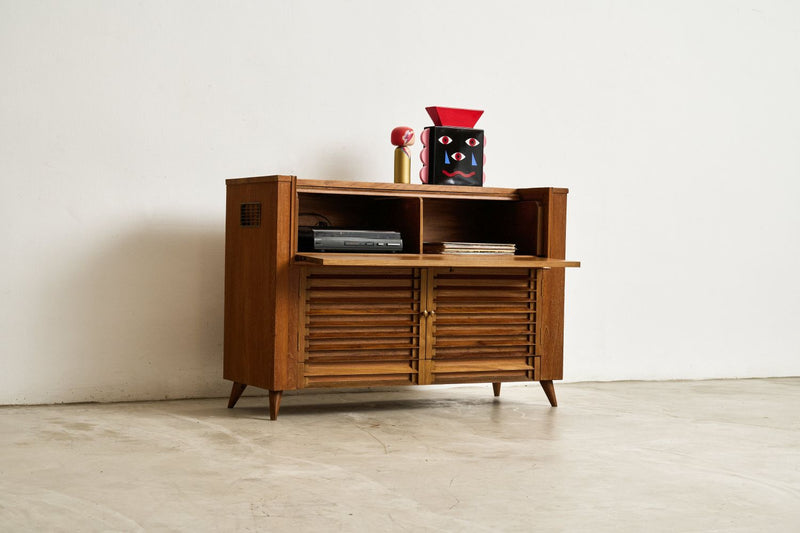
402 165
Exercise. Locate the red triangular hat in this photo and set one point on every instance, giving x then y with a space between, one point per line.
452 116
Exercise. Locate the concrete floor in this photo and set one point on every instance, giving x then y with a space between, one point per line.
626 456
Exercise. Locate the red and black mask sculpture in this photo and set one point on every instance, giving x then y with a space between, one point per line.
453 149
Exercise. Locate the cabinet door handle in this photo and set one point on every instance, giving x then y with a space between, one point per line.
433 313
425 313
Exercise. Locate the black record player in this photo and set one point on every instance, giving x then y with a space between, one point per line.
327 239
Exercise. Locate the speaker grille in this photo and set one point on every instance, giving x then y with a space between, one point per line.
250 215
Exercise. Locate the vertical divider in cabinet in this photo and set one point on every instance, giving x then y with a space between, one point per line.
526 225
420 229
421 225
399 214
408 219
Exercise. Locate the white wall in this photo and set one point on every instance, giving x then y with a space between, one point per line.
675 124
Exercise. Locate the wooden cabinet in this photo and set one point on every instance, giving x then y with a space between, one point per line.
297 319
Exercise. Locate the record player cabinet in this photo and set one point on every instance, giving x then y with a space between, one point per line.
296 319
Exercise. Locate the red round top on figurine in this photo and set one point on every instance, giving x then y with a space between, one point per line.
402 136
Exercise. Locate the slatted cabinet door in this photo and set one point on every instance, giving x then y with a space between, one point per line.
483 325
360 327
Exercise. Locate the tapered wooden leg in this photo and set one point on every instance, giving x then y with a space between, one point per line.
550 391
274 403
236 393
496 387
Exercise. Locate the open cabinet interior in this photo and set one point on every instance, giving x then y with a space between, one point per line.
363 212
423 220
483 221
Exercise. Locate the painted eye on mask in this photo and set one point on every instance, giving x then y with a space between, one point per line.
472 141
444 139
458 156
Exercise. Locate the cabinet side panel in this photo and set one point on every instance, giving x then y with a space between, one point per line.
552 332
250 249
282 327
552 306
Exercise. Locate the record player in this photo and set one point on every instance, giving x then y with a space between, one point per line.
327 239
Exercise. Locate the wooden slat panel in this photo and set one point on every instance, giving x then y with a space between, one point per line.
341 311
364 282
482 319
360 369
518 282
482 351
481 365
358 381
481 329
351 321
361 345
328 332
450 341
352 357
446 354
358 273
442 378
484 325
499 273
487 308
361 326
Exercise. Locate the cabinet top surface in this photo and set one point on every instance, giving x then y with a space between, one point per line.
399 189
